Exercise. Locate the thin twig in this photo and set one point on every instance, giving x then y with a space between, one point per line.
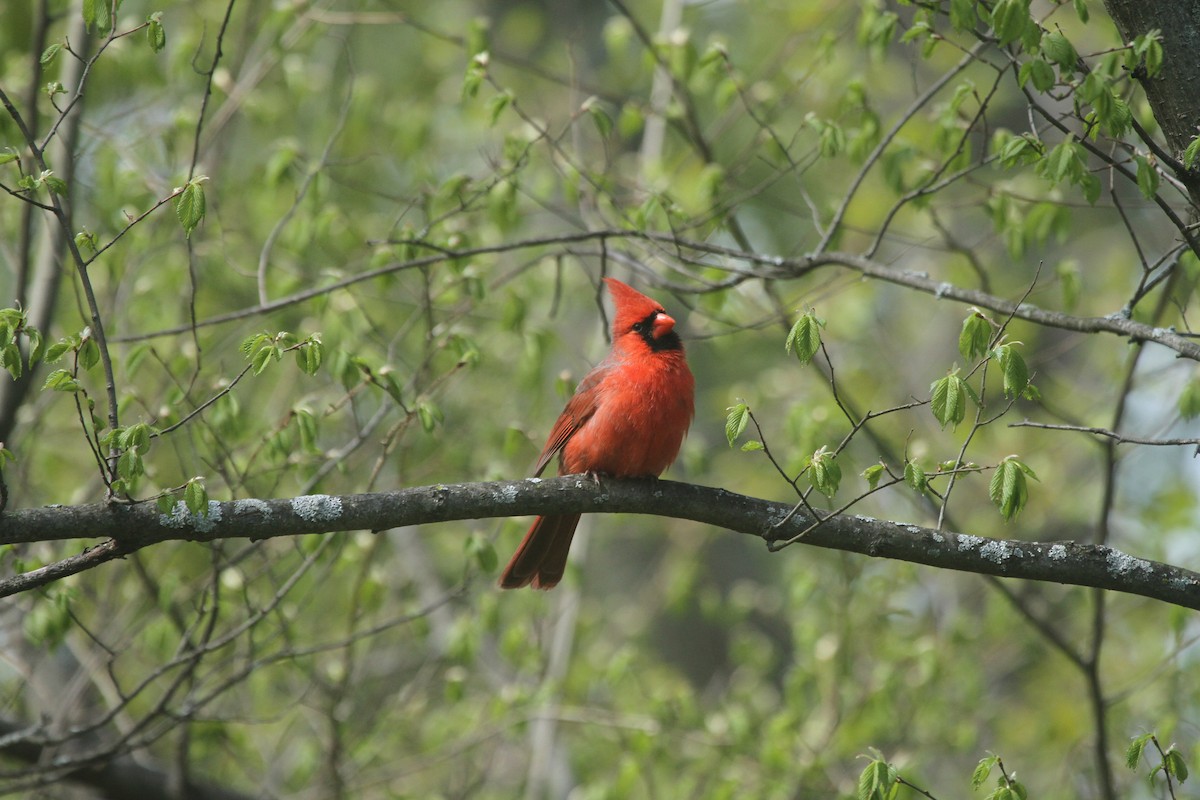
1118 438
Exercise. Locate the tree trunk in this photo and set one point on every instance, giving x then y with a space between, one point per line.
1174 91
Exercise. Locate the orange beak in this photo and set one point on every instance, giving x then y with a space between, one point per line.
663 325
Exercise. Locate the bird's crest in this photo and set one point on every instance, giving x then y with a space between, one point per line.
631 306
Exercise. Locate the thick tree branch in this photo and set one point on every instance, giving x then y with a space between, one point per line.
131 528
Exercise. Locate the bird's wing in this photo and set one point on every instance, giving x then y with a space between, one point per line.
579 410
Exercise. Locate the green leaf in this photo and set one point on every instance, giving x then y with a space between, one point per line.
920 30
195 497
47 623
262 357
600 117
189 205
476 72
1189 154
481 549
156 35
1058 49
976 335
751 446
1154 58
50 53
1017 150
1081 10
824 472
1071 282
252 343
1009 491
478 35
497 105
1037 71
10 359
982 770
1013 368
135 436
831 138
85 240
735 421
310 354
466 350
130 465
876 781
915 477
1148 49
89 352
55 184
61 381
948 400
1175 765
1133 753
37 345
56 351
1118 119
1063 162
1147 177
804 339
502 204
96 14
1009 20
429 414
306 425
876 27
1189 399
165 503
391 385
962 14
872 474
630 121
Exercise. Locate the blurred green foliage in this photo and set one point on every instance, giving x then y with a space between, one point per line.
377 272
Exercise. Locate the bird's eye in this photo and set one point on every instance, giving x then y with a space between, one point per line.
647 323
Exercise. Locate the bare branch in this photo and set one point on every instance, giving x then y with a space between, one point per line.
120 777
1116 437
765 267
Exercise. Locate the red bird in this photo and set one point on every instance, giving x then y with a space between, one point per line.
627 420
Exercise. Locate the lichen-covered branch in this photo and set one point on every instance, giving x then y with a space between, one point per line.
128 528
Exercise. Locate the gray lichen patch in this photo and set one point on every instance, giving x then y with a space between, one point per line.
182 519
968 542
1122 564
996 551
317 507
252 507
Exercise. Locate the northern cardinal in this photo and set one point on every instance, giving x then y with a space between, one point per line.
627 419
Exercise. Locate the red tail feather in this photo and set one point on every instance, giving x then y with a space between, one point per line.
541 558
